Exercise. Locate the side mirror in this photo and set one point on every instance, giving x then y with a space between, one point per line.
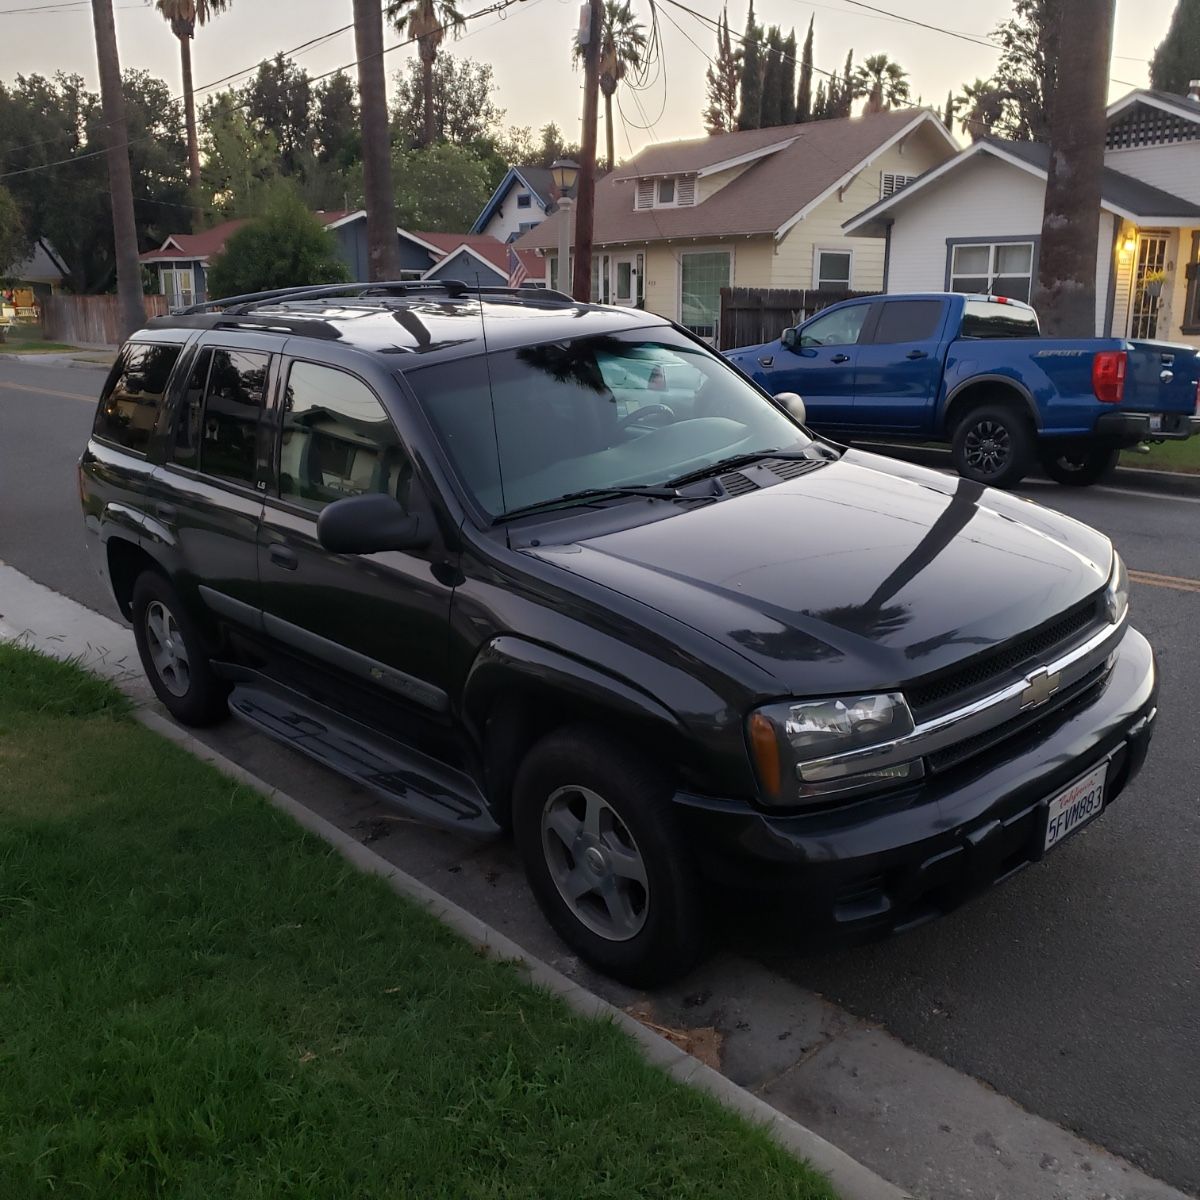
790 339
794 404
369 523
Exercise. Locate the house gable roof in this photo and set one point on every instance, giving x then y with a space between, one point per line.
799 166
485 256
1119 193
1179 106
209 242
539 181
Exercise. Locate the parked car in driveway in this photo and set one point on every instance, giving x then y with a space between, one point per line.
522 564
975 372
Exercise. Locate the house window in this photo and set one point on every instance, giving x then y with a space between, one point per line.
666 191
995 269
523 200
1191 306
671 192
701 277
834 269
176 285
890 183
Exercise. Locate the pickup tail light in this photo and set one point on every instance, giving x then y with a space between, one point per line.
1108 376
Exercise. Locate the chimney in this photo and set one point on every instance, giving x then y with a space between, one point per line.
1194 90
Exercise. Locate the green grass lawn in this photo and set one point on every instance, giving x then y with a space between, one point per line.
1167 456
16 345
200 1001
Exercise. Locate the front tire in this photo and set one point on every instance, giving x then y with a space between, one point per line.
173 654
594 828
1078 466
993 444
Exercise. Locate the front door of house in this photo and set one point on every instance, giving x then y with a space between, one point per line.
177 286
1148 279
624 280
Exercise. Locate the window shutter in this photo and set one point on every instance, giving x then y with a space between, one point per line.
645 194
685 191
890 184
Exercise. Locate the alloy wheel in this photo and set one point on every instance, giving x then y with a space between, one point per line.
595 863
168 652
987 447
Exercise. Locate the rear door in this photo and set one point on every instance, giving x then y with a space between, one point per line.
899 370
1162 380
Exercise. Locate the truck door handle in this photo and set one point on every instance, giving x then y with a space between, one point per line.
168 512
766 362
840 358
281 556
916 354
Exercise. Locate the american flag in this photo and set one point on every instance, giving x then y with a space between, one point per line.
516 269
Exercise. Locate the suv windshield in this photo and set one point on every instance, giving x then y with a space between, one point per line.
530 425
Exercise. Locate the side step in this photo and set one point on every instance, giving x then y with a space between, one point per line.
421 786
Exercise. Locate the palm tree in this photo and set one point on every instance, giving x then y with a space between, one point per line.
982 106
426 22
622 43
883 82
184 16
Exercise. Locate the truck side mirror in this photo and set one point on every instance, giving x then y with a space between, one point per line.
790 339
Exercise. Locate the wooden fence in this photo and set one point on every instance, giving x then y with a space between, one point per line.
753 315
90 320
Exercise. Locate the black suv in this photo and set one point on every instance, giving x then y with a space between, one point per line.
520 563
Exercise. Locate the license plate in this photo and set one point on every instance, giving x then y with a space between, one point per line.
1156 422
1077 805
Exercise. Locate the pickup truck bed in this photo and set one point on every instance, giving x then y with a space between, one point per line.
974 372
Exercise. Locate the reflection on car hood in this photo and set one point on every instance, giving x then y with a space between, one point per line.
863 573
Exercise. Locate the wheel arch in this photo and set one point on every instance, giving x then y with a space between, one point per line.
988 389
126 560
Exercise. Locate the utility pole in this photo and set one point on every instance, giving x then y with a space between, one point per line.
1066 288
383 246
585 193
120 178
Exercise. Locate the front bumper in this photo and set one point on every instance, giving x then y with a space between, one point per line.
881 865
1130 428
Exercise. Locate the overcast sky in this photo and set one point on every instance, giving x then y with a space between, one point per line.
529 48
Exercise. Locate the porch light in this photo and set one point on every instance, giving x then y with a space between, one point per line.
564 172
1129 245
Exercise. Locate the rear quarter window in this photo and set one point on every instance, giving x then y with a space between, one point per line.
991 319
133 397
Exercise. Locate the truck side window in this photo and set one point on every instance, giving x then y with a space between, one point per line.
840 328
185 446
133 397
908 321
233 408
337 440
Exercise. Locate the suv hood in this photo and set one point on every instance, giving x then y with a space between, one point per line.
862 573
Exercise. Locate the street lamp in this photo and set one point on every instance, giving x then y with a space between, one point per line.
564 172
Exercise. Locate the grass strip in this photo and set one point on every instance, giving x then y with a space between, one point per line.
28 346
199 1000
1167 456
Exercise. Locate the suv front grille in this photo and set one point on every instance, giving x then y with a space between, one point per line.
958 685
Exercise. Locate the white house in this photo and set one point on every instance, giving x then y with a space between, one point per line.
522 201
974 223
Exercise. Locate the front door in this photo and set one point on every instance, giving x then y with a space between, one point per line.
624 280
702 275
178 286
899 371
371 630
1148 280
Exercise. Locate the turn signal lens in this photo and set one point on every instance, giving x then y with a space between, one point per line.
765 748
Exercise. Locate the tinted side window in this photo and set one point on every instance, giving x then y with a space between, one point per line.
839 328
185 445
134 396
991 319
908 321
233 408
337 440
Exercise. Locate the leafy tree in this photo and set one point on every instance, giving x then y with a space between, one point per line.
440 188
554 147
157 157
463 109
184 16
787 82
982 106
750 109
770 112
722 79
804 96
279 99
1027 73
285 247
240 160
14 237
1177 60
335 131
622 44
882 82
820 108
427 22
950 110
845 92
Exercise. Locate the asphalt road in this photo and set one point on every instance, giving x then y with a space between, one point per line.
1075 989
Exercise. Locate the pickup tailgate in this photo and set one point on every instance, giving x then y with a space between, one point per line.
1161 378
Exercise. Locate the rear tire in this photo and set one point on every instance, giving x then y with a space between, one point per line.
173 654
993 445
592 821
1078 466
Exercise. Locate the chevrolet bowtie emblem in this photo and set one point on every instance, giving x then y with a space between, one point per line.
1039 687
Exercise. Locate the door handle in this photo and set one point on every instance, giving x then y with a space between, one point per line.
766 362
840 358
916 354
168 512
281 556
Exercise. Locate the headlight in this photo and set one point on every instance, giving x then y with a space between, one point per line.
806 751
1116 595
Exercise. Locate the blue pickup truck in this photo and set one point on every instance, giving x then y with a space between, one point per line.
975 372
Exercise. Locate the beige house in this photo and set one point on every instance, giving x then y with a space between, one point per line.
761 208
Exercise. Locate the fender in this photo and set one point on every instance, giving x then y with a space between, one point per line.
137 526
1006 380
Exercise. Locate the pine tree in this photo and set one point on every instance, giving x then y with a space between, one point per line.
750 111
787 84
771 113
820 108
846 88
1177 60
804 97
723 77
950 110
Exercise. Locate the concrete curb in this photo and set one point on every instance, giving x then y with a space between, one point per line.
850 1178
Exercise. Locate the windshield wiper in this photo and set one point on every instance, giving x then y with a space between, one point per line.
734 461
665 492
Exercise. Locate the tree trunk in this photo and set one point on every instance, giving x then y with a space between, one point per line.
608 131
1066 290
383 246
585 193
427 99
189 117
120 178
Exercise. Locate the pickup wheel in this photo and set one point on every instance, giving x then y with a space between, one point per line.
993 444
593 825
1078 466
173 655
